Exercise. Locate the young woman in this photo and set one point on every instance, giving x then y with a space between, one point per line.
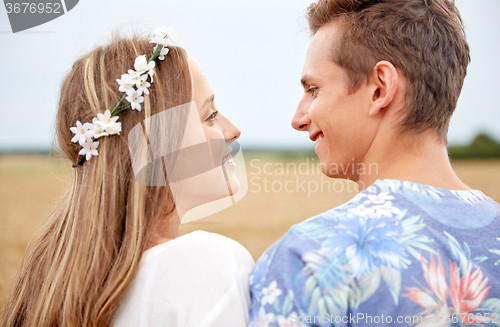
109 254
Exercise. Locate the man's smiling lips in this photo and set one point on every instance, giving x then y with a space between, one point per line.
317 137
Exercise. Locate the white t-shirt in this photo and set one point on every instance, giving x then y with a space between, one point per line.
196 280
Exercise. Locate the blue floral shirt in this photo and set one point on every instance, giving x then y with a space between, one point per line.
399 253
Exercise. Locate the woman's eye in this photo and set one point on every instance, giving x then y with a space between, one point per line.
213 116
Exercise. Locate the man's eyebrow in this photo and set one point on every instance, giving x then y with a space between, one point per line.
305 80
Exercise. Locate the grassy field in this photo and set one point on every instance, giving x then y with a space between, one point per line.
30 185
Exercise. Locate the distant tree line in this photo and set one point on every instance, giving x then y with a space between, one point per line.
483 147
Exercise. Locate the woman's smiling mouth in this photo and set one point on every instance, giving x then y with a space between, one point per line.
228 160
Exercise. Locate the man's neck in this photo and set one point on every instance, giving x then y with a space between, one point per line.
421 158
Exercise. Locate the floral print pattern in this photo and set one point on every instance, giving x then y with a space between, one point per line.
394 250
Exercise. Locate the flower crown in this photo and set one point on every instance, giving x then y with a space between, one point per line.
133 85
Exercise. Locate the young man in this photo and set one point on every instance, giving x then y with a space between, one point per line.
416 246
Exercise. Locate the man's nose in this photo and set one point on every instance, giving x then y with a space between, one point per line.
300 119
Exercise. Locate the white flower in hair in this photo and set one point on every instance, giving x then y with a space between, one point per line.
151 73
161 41
114 128
127 78
133 84
171 34
163 52
104 119
133 75
142 85
163 31
126 83
135 101
89 149
99 131
162 34
141 64
82 132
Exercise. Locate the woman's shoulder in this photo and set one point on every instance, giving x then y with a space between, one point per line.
201 270
195 264
201 245
203 238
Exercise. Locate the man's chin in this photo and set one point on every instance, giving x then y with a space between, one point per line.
340 170
328 167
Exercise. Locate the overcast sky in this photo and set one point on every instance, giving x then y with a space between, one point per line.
251 51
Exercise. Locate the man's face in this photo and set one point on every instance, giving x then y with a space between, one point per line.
337 121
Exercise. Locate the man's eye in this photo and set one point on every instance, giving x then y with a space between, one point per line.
312 90
213 116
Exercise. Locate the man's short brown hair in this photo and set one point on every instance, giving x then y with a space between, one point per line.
424 38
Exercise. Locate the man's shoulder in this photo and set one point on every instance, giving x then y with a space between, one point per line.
388 205
369 203
309 233
386 199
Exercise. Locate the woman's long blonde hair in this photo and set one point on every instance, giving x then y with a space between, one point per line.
83 259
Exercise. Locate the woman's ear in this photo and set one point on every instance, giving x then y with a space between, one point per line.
385 84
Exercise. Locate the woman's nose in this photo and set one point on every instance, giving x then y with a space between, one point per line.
231 131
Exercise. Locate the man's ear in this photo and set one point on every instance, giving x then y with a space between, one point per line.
384 80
